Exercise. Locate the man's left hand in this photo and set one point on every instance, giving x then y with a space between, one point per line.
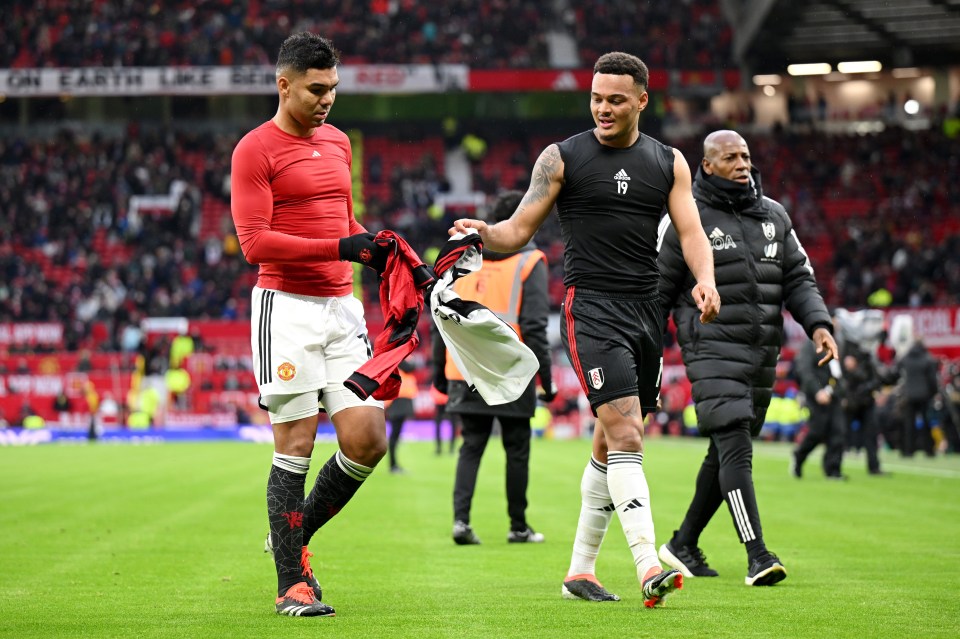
707 299
825 344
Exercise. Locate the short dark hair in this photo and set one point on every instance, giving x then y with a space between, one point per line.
620 63
303 51
506 203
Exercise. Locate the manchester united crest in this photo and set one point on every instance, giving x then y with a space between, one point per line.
286 371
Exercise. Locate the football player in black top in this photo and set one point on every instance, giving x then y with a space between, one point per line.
610 185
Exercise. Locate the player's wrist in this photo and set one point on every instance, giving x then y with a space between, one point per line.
327 250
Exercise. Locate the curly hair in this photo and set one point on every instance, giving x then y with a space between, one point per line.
505 204
620 63
303 51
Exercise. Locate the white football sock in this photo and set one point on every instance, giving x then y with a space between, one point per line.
631 496
596 509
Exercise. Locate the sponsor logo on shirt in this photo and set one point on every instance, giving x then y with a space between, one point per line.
720 240
316 154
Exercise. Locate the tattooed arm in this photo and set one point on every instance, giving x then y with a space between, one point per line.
693 241
513 234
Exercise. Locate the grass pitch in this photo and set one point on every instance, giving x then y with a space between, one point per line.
166 541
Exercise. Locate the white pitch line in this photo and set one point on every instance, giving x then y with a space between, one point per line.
781 452
922 470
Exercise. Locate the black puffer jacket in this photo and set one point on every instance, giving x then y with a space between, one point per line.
760 266
918 369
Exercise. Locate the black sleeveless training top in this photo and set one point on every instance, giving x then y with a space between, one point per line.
609 209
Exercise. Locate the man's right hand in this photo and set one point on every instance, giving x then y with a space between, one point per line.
463 224
707 299
362 249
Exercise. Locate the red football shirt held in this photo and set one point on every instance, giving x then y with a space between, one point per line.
291 202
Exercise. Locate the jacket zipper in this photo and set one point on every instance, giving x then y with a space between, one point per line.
752 264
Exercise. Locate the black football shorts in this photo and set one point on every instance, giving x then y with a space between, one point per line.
615 344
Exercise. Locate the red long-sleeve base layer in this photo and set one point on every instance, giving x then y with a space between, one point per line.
291 203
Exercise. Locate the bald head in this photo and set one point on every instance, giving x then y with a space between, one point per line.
713 142
726 155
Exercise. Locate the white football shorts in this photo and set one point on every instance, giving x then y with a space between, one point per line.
305 344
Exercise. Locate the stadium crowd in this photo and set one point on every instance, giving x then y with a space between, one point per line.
483 35
71 248
691 34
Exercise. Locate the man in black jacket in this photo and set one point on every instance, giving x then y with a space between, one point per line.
514 286
760 266
825 388
859 335
918 369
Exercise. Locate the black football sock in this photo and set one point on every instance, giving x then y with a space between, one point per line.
285 486
336 484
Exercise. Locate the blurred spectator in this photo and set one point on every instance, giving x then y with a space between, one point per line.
178 383
181 347
92 397
863 380
109 409
83 362
29 418
440 415
61 403
918 370
825 390
951 399
26 411
399 411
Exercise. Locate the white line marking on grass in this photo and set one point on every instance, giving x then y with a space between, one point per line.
922 470
782 450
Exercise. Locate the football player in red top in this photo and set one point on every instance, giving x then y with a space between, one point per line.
293 209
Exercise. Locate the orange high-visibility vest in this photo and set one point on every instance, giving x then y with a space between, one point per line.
408 385
498 285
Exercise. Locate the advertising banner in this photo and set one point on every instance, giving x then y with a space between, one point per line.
133 81
31 334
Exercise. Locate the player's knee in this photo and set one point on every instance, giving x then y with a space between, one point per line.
364 442
298 445
628 440
366 450
624 434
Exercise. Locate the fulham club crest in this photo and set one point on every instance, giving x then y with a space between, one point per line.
595 376
769 230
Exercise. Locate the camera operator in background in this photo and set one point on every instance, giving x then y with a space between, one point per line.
858 336
825 389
